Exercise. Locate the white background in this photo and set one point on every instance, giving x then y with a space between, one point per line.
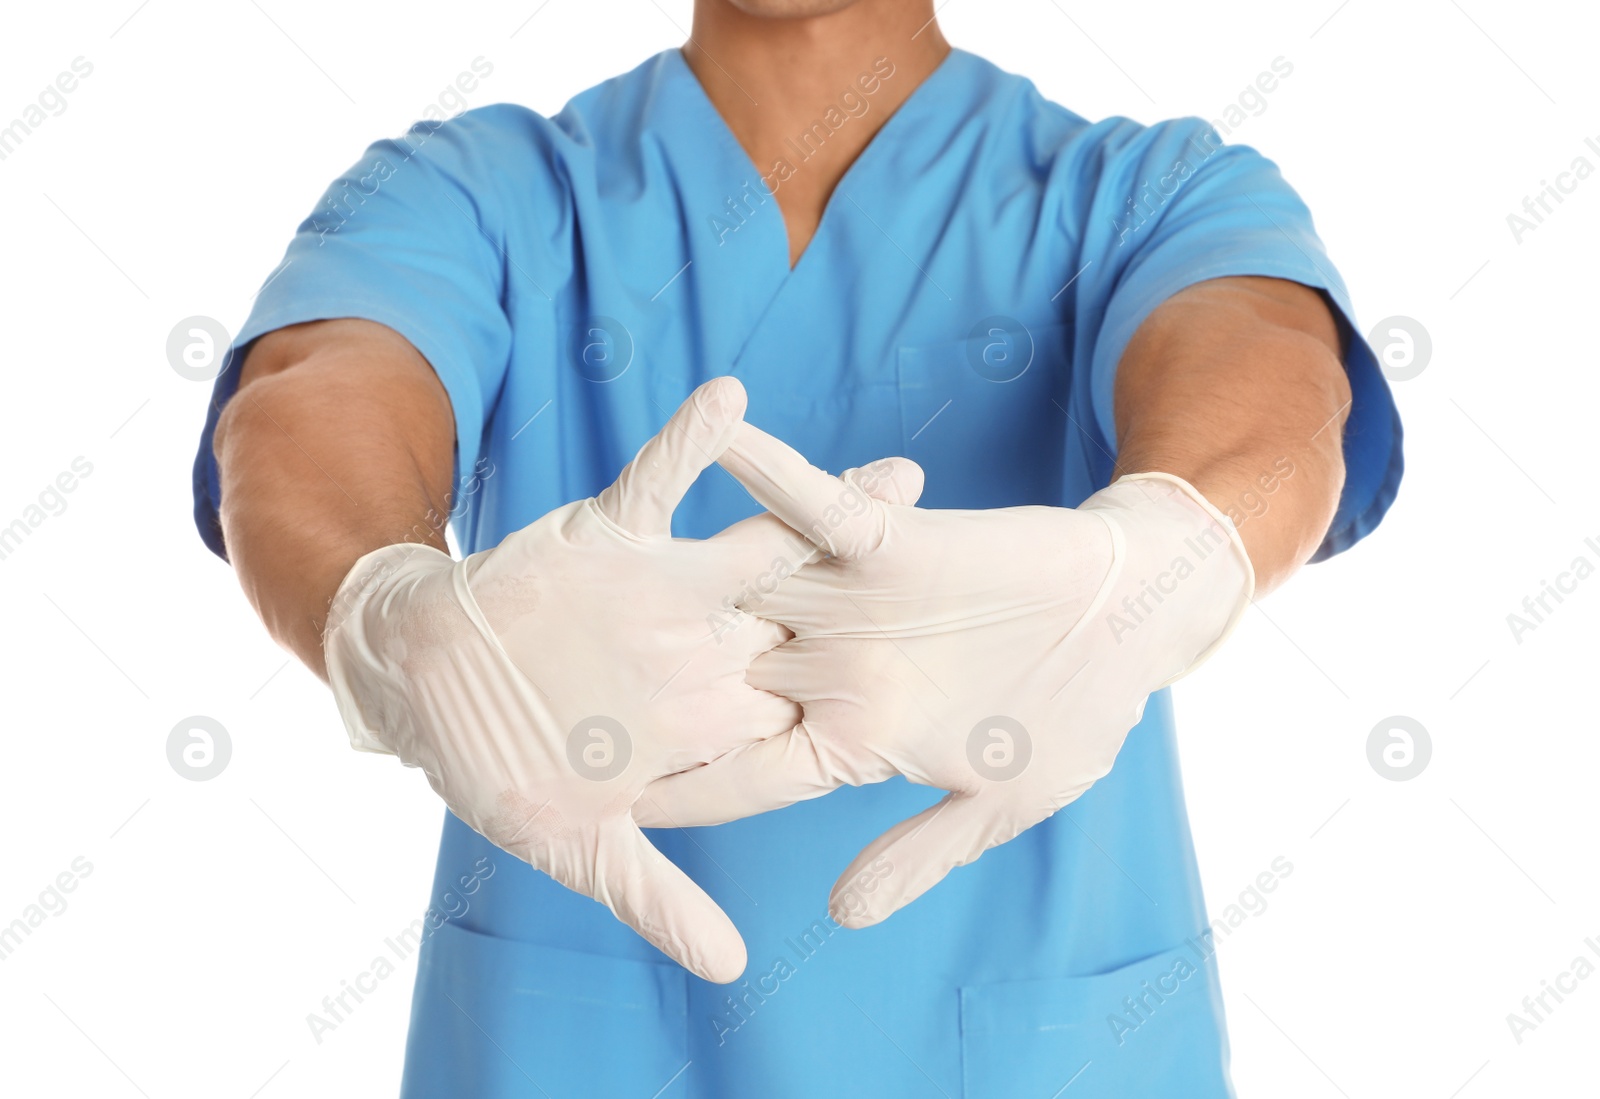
219 913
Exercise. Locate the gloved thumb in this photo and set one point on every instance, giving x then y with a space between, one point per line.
916 854
649 893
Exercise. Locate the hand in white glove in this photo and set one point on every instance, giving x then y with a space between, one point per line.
542 684
999 655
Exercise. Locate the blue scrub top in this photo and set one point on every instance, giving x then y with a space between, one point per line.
965 302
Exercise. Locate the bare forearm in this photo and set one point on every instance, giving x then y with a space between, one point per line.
1236 385
338 442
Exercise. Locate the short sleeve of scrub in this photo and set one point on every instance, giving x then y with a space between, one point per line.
406 237
1173 206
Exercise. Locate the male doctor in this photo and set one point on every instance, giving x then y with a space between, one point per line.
1085 390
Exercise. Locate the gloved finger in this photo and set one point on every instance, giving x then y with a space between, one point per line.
768 557
747 716
642 498
650 894
841 517
758 555
918 852
892 480
756 778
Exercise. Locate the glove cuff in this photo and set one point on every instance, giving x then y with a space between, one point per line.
1223 526
347 648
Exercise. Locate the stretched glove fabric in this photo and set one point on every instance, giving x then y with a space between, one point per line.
1000 655
542 684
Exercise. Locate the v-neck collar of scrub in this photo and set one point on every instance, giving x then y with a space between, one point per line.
921 102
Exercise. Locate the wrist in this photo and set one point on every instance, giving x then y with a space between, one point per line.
1280 500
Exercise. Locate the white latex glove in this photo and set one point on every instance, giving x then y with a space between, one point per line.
542 684
999 655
